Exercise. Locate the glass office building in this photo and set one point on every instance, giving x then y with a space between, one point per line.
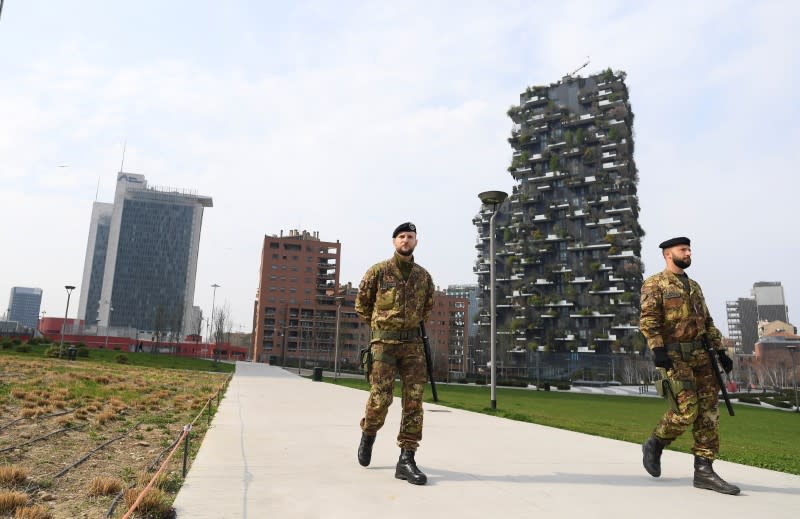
23 306
141 258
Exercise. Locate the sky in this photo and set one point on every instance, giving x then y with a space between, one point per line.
348 118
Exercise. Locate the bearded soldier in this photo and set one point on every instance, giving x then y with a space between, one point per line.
393 297
675 320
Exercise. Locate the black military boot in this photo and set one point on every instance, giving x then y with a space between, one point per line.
407 469
651 455
365 449
705 477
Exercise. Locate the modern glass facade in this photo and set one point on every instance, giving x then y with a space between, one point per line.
23 306
141 259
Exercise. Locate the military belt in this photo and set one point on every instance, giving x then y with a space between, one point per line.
685 346
396 335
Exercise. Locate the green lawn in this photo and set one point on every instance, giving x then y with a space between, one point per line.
757 437
154 360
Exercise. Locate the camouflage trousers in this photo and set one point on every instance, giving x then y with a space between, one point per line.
407 359
698 406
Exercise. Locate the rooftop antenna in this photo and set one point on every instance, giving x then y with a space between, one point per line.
580 68
97 191
124 145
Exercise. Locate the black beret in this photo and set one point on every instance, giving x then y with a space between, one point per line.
680 240
404 227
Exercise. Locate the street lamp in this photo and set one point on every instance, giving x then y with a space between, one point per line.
794 376
69 288
108 324
492 198
213 300
339 300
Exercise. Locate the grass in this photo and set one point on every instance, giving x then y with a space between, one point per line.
756 437
146 359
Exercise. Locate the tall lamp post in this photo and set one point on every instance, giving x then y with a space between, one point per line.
493 199
213 301
108 324
339 300
69 288
792 349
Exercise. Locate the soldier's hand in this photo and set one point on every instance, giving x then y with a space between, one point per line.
661 359
725 361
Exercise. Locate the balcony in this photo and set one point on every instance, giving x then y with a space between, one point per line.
607 291
542 281
623 254
592 315
581 280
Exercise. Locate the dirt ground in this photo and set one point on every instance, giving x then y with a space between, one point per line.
143 409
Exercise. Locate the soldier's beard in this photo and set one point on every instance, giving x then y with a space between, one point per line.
682 263
405 252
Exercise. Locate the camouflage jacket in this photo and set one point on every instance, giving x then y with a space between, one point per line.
388 303
669 314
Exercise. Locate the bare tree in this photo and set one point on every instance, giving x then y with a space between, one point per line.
222 327
159 327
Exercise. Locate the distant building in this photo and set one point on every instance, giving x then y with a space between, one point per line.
568 239
744 314
447 331
24 305
295 308
770 327
141 259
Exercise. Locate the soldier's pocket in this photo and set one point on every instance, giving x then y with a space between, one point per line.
385 299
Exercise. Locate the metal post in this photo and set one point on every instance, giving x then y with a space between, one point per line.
69 288
186 450
493 198
339 300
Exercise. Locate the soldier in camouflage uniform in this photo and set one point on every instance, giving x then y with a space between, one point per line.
675 320
393 298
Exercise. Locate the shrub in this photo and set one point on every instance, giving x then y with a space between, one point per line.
6 344
33 512
11 475
52 351
9 500
23 348
749 400
121 358
104 486
777 403
15 341
563 386
83 351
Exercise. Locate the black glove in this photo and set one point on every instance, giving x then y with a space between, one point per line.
725 361
661 359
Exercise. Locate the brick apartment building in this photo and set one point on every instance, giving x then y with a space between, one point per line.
299 295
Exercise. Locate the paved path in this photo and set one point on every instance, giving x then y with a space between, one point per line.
282 446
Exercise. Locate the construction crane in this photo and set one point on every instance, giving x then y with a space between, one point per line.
580 68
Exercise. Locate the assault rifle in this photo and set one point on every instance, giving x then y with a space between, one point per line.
428 359
712 356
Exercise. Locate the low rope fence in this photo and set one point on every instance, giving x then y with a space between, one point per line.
183 437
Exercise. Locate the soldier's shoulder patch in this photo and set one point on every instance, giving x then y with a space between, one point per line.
671 294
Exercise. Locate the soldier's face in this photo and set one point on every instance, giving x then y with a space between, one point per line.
405 243
681 256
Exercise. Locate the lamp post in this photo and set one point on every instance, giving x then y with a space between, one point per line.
108 324
213 301
339 300
69 289
794 377
493 199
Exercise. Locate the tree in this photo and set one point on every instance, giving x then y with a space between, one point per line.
221 328
159 327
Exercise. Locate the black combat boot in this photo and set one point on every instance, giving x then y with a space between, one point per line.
651 455
365 449
705 477
407 469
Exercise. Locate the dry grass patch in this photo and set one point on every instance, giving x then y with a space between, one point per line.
12 475
33 512
154 503
105 486
11 500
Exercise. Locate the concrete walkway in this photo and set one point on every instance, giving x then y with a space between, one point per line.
285 447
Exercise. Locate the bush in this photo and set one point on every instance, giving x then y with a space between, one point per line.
563 386
6 344
15 341
52 351
749 400
777 403
33 341
83 352
512 382
23 348
121 358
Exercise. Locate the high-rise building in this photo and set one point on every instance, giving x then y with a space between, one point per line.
23 306
295 310
771 304
141 258
568 239
745 314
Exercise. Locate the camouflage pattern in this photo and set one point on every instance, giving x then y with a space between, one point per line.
697 406
387 302
671 315
410 363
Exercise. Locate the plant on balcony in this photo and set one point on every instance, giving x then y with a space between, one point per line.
553 164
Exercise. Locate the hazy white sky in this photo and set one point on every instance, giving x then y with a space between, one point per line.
348 118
